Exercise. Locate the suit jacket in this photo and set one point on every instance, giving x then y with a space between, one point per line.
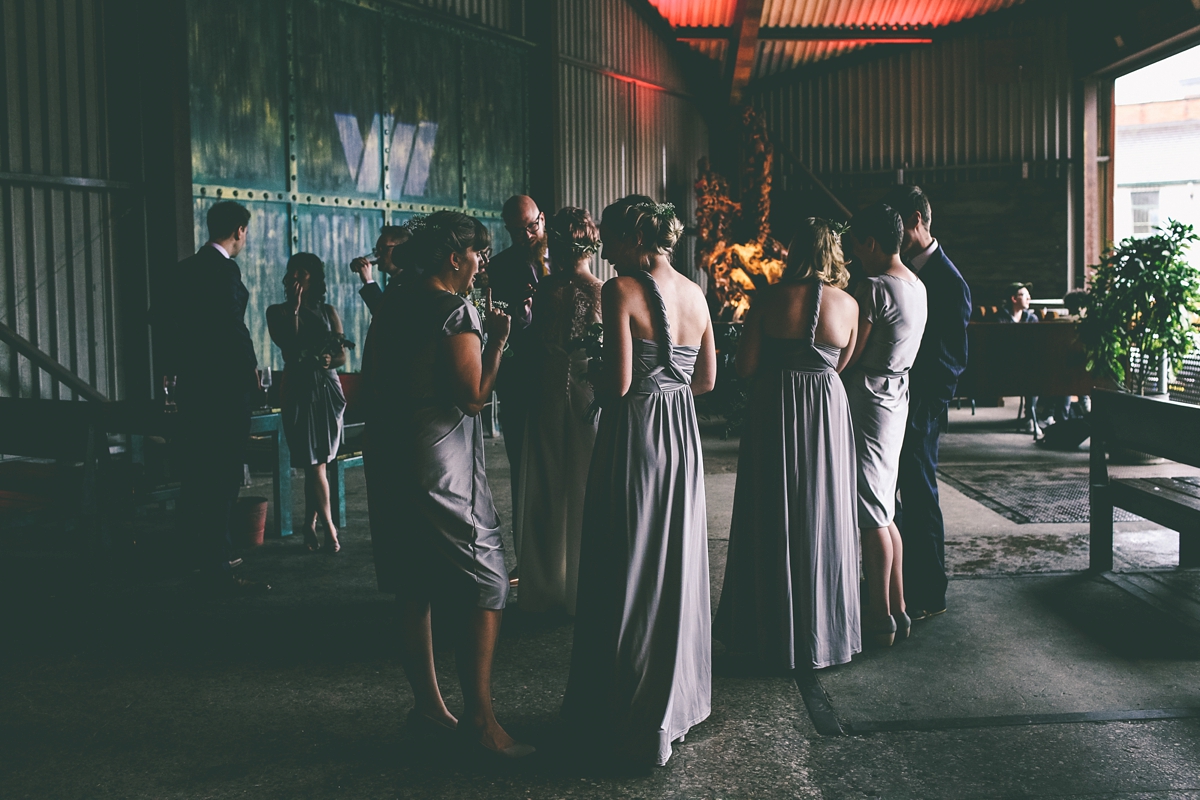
1026 316
943 354
204 326
372 295
508 275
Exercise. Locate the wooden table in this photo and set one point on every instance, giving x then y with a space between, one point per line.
140 419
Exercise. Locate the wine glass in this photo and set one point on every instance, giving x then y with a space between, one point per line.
265 378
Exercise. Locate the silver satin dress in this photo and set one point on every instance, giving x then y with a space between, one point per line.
641 666
877 387
434 528
313 404
791 595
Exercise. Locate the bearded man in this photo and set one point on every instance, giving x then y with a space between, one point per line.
512 276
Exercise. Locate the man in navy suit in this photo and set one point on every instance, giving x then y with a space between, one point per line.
932 381
210 351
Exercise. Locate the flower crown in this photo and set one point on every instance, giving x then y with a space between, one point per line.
660 210
416 223
578 248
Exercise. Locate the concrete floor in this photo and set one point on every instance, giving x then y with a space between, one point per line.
120 678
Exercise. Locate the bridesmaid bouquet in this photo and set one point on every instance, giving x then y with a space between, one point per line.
331 344
592 343
478 298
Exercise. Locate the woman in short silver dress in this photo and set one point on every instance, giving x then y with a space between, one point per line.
435 531
892 308
313 402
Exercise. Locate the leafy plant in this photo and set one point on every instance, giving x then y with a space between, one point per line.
1144 296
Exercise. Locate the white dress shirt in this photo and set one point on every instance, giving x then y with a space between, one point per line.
920 258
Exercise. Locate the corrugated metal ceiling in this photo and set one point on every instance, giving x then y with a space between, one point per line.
775 55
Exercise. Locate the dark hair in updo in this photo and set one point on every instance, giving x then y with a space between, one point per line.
315 267
655 226
882 223
439 235
571 235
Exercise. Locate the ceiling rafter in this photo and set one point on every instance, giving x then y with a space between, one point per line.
744 42
798 33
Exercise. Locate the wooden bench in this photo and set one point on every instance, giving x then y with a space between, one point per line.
61 486
1159 428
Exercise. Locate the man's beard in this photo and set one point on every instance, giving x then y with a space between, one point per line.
537 252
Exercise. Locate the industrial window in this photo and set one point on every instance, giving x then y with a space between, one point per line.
1145 212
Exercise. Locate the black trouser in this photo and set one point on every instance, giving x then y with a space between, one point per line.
514 410
213 435
919 514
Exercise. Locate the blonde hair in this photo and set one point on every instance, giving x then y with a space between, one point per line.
655 226
816 254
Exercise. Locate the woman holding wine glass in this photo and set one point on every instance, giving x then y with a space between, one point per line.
309 332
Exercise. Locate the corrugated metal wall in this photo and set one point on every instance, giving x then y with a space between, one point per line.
625 121
493 13
982 119
972 99
58 204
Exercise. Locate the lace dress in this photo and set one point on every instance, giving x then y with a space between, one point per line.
557 449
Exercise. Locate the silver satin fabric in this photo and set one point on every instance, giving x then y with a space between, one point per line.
434 525
313 402
791 593
641 667
877 388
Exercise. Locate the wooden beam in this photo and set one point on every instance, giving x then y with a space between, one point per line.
744 44
907 34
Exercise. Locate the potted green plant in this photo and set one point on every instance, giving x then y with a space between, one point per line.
1144 296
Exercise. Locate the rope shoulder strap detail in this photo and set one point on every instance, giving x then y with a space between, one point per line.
816 311
659 308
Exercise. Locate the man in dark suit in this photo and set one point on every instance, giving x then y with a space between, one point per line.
513 276
371 292
932 381
216 368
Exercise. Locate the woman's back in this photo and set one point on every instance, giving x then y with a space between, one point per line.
787 310
684 304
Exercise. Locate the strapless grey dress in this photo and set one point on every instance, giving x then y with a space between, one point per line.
641 667
790 597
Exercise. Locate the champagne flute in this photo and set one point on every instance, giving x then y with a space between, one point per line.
265 379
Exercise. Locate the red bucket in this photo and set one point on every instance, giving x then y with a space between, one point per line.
250 521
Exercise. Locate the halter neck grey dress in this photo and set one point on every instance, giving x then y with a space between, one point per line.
877 387
790 598
641 667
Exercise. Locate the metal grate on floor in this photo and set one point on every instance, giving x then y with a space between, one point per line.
1024 494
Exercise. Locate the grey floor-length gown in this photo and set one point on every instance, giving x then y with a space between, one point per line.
434 527
641 667
791 596
548 514
313 403
877 388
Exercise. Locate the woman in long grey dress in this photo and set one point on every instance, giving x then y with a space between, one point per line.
892 308
435 531
790 598
548 517
313 402
641 672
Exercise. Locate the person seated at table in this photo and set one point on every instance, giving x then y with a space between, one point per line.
307 330
1017 311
